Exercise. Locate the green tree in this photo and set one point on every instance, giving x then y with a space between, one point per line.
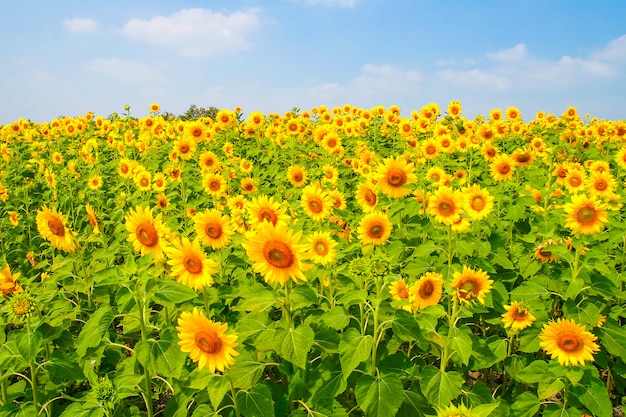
194 112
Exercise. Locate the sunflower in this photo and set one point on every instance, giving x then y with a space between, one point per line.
601 183
185 147
330 174
146 232
366 197
246 166
544 255
488 151
159 181
94 182
8 282
297 176
209 162
620 157
502 167
322 248
214 185
93 220
206 341
477 202
338 199
585 215
523 157
575 180
265 209
195 131
162 201
154 108
393 175
430 148
190 265
426 291
435 174
316 203
374 228
446 205
143 180
213 228
51 227
568 342
517 317
14 218
248 185
399 290
470 285
276 253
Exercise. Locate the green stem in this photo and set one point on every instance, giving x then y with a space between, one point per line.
287 305
5 392
207 302
146 372
234 397
33 372
450 254
452 320
575 267
376 309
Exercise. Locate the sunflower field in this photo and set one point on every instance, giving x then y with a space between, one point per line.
327 262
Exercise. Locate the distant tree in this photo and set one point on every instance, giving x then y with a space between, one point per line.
194 112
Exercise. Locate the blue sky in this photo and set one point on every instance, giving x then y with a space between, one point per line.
75 56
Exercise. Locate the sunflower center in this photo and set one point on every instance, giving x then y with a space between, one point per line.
56 227
147 234
491 152
426 289
315 205
193 264
587 215
144 182
297 177
403 292
468 289
446 208
478 203
184 148
320 248
575 181
269 215
522 158
520 313
208 341
396 177
601 185
431 149
370 197
504 168
278 254
214 185
568 342
376 230
213 230
196 132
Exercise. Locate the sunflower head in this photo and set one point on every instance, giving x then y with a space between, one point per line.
426 291
471 285
517 317
568 342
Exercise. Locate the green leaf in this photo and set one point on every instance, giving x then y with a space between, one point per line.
502 258
549 386
592 393
10 358
612 337
78 409
440 387
484 410
558 410
336 318
217 386
425 249
297 344
61 368
461 344
529 340
329 384
328 340
162 356
381 396
28 345
405 326
586 314
94 330
169 292
353 349
246 372
256 302
528 291
525 405
303 296
574 288
413 405
257 402
353 297
532 373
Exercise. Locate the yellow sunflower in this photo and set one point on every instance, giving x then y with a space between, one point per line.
209 162
276 253
146 232
14 218
575 180
213 228
601 183
297 176
478 203
159 182
265 209
517 317
399 290
214 185
374 228
206 341
316 203
190 265
143 180
8 282
393 175
93 220
585 215
446 205
620 157
426 291
568 342
94 182
502 167
51 227
366 196
322 248
471 284
185 147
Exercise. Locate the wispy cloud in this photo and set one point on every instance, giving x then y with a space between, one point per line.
80 25
135 72
199 33
615 51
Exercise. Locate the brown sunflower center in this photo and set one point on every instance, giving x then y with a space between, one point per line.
396 177
144 182
278 254
491 152
504 168
601 185
446 208
213 230
370 197
320 248
268 214
376 230
196 132
56 227
192 264
426 289
147 234
468 289
403 292
478 203
431 149
520 313
587 215
297 177
208 341
523 158
568 342
316 205
575 181
183 148
214 185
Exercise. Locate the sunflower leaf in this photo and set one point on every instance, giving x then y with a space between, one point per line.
256 402
525 405
440 387
592 393
94 330
380 396
353 349
170 293
297 344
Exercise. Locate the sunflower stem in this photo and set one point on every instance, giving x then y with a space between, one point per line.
575 267
5 392
234 397
147 394
287 305
452 320
33 371
376 309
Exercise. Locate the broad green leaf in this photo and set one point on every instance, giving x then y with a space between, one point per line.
297 344
328 340
529 340
405 326
502 258
250 325
353 349
352 298
330 382
574 288
61 367
528 291
303 296
525 405
484 410
28 345
558 410
461 344
440 387
532 373
413 405
256 302
336 318
217 386
246 372
612 337
162 356
10 358
425 249
549 386
169 292
256 402
127 385
78 409
586 314
381 396
94 330
592 393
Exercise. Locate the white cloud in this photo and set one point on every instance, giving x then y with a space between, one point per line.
80 25
127 71
516 53
474 78
615 51
199 33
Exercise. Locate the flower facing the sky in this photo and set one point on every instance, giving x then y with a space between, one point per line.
393 175
374 228
426 291
190 265
213 228
568 342
585 215
206 341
